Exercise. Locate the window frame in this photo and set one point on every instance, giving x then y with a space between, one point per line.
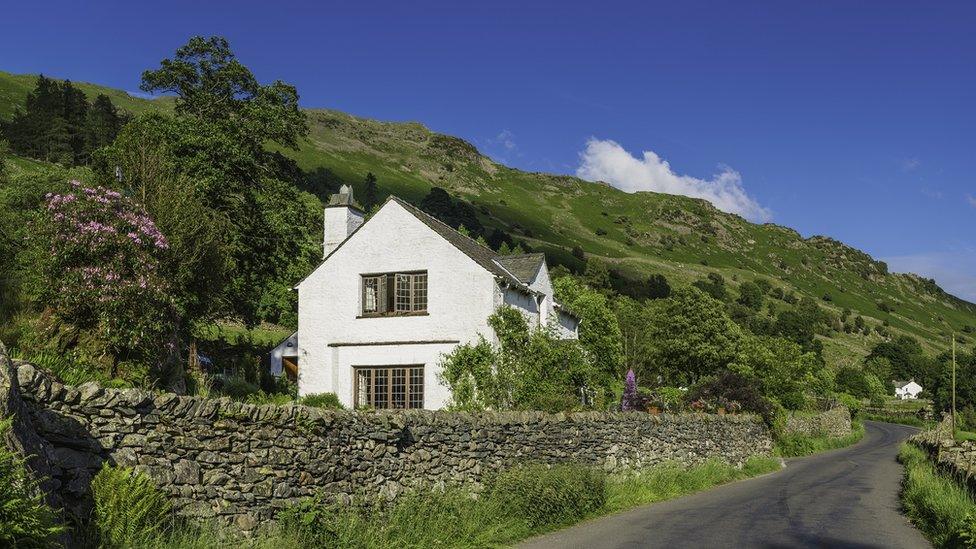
388 300
409 386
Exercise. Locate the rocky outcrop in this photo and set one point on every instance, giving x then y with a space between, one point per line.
242 462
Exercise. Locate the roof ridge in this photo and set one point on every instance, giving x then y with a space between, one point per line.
403 202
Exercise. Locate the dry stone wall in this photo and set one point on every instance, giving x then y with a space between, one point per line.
242 462
835 422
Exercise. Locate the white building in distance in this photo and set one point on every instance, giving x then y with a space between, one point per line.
397 292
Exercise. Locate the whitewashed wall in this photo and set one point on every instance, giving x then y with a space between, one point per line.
460 299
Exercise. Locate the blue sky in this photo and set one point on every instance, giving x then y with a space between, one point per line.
854 120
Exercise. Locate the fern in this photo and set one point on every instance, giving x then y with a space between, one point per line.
25 519
130 511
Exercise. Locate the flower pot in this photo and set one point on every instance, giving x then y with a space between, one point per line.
721 410
653 410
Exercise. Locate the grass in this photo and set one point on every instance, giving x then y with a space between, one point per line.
937 505
798 445
901 420
965 435
518 504
679 237
671 481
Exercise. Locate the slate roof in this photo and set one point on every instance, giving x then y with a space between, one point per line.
900 384
482 255
524 266
343 200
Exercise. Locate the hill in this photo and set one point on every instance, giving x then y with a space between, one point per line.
637 234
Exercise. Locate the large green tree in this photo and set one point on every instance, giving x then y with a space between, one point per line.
693 336
205 174
599 332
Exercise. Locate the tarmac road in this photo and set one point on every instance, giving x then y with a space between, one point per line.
844 498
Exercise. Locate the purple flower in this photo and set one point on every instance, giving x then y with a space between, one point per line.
628 401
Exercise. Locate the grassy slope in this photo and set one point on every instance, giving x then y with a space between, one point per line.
681 237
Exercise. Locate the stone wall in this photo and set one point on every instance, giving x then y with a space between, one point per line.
243 462
955 458
835 422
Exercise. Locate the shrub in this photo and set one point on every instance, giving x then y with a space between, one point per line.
25 519
321 400
130 511
549 496
852 402
731 386
238 388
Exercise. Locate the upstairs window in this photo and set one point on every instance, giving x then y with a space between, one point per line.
391 294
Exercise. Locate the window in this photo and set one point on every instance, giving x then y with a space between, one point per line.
393 387
394 294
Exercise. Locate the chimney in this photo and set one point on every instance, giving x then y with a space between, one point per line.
342 216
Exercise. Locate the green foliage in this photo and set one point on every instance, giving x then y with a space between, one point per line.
751 295
25 518
852 403
938 506
728 387
213 87
129 511
528 370
321 400
965 387
793 445
58 124
669 480
599 332
713 285
549 496
692 335
783 370
851 380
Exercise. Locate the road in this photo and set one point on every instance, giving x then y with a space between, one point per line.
844 498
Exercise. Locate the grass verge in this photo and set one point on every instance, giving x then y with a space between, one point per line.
519 503
799 445
939 507
901 420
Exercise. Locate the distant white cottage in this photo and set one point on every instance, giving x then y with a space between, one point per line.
907 390
396 293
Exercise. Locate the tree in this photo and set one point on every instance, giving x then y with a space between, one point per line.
782 368
214 150
751 295
657 286
880 367
597 274
526 370
214 88
693 336
57 124
599 333
908 360
369 194
851 380
713 285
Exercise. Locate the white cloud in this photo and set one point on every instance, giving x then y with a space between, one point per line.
506 139
954 270
605 160
910 164
971 199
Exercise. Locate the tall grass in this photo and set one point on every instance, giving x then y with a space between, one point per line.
25 518
671 480
794 445
939 507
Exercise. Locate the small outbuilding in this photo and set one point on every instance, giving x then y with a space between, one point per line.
284 358
907 390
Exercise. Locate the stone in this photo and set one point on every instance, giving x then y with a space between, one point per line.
186 472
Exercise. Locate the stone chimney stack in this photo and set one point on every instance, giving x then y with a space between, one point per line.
342 216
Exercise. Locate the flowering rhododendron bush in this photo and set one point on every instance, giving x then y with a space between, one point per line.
100 256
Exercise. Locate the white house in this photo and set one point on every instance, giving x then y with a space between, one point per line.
396 293
906 390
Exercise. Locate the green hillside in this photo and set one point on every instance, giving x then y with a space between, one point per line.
638 234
